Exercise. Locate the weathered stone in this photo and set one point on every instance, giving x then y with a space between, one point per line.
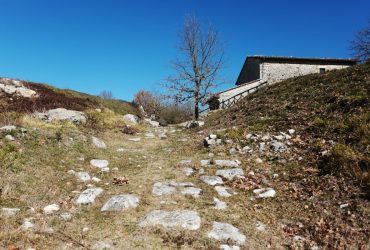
227 247
185 162
205 163
88 196
101 164
149 135
121 202
233 151
188 171
135 139
102 245
50 209
160 189
83 176
211 180
194 192
220 205
260 227
98 143
227 163
230 173
27 224
61 114
264 192
8 128
185 219
278 146
291 131
9 138
66 216
224 191
9 212
152 123
225 232
15 87
129 118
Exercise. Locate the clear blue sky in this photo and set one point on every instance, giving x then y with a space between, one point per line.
124 46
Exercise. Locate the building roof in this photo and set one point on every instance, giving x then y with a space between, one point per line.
307 59
291 59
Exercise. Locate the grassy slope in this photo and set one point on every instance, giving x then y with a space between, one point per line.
332 106
50 97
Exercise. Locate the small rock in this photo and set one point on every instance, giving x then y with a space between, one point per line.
230 174
212 136
102 245
224 191
185 162
211 180
259 160
188 171
83 176
205 163
227 247
194 192
50 209
135 139
298 238
186 219
278 146
66 216
291 131
344 205
8 128
262 146
219 204
265 193
102 164
160 189
121 202
88 196
96 179
279 137
129 118
226 232
9 138
227 163
260 227
9 212
98 143
149 135
27 224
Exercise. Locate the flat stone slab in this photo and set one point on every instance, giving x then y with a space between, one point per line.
188 171
230 173
224 191
211 180
50 209
160 189
227 163
186 219
220 205
88 196
135 139
264 192
99 163
121 202
83 176
9 212
193 191
224 232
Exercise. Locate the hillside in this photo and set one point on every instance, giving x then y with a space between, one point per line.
322 108
48 97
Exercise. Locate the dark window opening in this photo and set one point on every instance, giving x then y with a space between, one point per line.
322 70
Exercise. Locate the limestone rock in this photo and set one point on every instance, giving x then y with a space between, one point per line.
220 205
211 180
98 143
160 189
9 138
9 212
50 209
129 118
188 171
8 128
230 173
88 196
227 163
186 219
264 192
27 224
83 176
193 191
226 232
121 202
278 146
135 139
66 216
61 114
101 164
15 87
185 162
227 247
224 191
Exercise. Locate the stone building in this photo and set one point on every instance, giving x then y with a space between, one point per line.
258 71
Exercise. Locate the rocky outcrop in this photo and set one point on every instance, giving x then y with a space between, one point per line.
15 87
62 114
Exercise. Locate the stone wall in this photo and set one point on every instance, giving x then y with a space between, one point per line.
276 72
237 90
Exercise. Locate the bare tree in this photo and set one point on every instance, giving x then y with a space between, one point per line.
360 45
201 57
106 94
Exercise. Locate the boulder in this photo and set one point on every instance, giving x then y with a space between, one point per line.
225 232
15 87
186 219
160 189
61 114
264 192
129 118
121 202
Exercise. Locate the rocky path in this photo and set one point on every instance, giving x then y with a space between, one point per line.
154 190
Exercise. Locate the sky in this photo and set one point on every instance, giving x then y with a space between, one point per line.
127 45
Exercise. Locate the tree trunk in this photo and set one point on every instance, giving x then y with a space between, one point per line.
196 97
